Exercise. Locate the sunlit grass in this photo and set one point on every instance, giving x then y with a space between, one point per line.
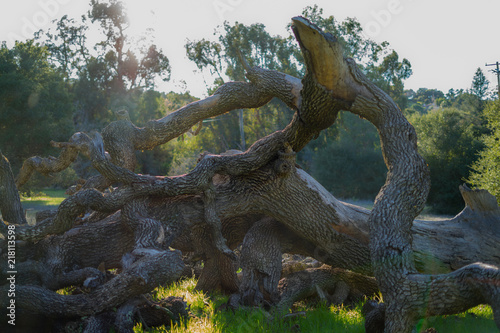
201 306
48 197
41 200
478 319
317 317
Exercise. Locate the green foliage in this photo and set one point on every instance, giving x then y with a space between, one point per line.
59 180
112 70
35 105
259 48
349 32
486 170
389 76
152 105
449 127
427 99
67 45
448 143
473 320
479 84
351 165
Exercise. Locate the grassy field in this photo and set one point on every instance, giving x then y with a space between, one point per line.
41 200
317 317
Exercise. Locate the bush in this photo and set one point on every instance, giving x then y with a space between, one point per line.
351 166
486 170
448 143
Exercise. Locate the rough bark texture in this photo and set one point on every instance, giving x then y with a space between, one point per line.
259 198
11 209
408 295
334 285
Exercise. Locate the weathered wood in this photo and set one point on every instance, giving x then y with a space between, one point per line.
334 285
10 202
142 276
224 196
399 201
304 202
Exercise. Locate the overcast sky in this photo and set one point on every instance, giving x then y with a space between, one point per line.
445 40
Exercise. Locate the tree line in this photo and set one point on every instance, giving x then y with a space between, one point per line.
57 84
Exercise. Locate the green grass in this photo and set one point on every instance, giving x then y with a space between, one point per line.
478 319
41 200
318 317
47 197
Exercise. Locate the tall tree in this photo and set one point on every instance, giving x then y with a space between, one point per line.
67 45
479 84
35 105
103 75
486 170
129 70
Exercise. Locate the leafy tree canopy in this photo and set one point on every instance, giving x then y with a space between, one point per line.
35 106
486 170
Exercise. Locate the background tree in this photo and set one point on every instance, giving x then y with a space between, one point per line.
67 45
479 84
486 170
351 165
104 79
35 105
448 143
222 60
449 128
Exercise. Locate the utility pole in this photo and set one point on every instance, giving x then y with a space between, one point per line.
497 72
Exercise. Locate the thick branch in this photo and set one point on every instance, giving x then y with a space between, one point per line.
10 202
141 277
401 198
50 164
122 138
73 207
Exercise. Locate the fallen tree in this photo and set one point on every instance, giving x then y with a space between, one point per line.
259 198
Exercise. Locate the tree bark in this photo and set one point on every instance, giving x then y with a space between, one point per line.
10 203
210 209
400 200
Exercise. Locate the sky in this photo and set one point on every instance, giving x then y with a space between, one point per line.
445 40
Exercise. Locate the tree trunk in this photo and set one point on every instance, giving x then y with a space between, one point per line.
408 294
10 205
210 210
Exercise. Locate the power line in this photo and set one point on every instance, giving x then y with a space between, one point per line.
497 72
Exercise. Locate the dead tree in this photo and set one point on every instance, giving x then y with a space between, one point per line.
210 210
